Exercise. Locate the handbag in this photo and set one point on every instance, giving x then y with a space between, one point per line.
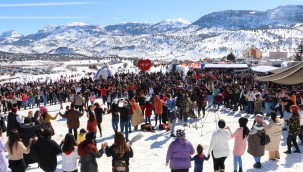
265 139
120 164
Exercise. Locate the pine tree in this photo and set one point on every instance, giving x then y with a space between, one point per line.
231 57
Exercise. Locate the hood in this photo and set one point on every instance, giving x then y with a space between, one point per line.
68 152
181 141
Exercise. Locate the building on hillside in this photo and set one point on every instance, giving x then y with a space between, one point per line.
278 55
253 53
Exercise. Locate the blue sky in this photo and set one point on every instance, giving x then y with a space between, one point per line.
28 16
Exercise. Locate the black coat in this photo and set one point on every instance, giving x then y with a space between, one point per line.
111 152
124 112
98 113
12 123
88 160
47 150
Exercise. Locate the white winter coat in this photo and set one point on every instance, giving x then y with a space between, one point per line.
219 143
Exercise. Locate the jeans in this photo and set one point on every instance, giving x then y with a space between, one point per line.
44 100
209 100
147 119
237 160
268 106
257 159
31 102
124 125
250 109
115 122
173 124
38 102
130 122
24 104
75 132
158 116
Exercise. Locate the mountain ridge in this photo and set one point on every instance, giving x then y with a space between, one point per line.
213 35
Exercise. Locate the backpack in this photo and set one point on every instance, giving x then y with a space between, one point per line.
120 164
2 124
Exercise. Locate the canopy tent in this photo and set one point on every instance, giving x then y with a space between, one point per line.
278 70
263 69
291 76
226 66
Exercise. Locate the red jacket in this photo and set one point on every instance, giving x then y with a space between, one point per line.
148 109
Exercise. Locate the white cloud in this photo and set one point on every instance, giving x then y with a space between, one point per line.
40 17
45 4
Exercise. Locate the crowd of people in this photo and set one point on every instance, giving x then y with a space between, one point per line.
132 99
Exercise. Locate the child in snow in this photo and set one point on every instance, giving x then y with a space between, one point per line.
81 135
199 159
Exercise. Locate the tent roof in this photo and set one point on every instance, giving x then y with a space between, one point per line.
226 66
289 76
278 70
263 69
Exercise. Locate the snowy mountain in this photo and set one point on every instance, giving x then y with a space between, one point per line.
10 36
213 35
280 17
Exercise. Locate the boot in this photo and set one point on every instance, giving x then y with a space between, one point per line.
222 170
287 152
257 165
297 151
240 169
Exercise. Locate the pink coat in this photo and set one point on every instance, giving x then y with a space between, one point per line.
240 143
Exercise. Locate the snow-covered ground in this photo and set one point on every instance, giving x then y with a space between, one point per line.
150 151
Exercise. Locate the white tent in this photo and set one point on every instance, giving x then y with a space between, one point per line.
177 68
263 69
103 72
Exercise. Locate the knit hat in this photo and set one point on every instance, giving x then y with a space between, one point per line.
43 109
221 123
90 135
14 109
243 121
259 118
294 108
180 134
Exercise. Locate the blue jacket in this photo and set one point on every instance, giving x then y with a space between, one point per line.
199 162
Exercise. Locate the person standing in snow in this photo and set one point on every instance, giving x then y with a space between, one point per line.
179 152
294 129
70 154
3 160
99 112
73 122
199 159
47 150
240 136
88 153
16 149
254 140
274 132
219 147
120 152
